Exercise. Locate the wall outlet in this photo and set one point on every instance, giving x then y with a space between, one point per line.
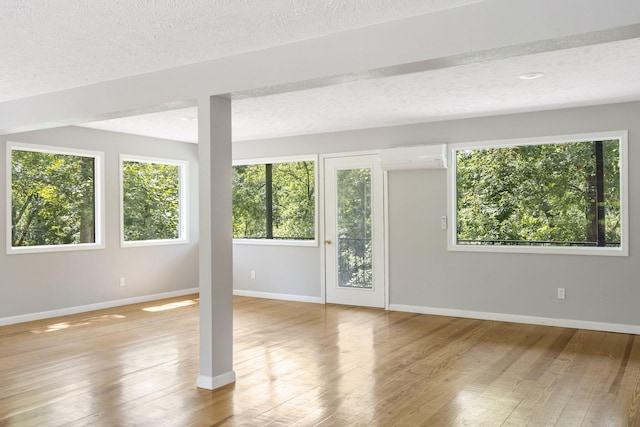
123 282
253 275
443 222
561 293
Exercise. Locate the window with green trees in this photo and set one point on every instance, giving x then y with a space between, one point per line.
153 200
275 201
54 202
565 194
355 227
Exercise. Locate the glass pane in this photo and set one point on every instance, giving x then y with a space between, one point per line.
294 201
151 201
274 201
249 202
354 228
52 199
565 194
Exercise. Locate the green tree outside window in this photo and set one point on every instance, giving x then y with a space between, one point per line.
151 197
52 198
274 201
540 195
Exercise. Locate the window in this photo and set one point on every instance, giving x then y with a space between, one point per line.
154 206
275 200
54 199
551 195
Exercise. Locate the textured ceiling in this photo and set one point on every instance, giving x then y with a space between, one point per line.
48 45
602 73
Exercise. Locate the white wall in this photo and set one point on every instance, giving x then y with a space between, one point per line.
424 276
280 271
46 282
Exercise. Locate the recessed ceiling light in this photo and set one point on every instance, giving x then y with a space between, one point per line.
530 76
188 118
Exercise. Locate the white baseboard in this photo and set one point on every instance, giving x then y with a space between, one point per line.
212 383
91 307
516 318
284 297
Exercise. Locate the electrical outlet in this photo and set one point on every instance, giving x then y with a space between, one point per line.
561 293
123 282
253 275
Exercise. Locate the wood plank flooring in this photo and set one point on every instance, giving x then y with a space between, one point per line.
303 364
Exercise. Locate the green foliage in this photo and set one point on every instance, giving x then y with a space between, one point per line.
151 201
293 201
354 228
249 202
535 193
52 199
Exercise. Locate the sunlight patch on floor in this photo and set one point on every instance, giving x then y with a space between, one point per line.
170 306
54 327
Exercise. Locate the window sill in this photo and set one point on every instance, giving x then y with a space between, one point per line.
53 248
146 243
273 242
542 250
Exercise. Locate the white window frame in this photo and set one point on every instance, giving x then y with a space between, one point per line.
287 159
623 250
183 211
99 198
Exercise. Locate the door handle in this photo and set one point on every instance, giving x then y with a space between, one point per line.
328 242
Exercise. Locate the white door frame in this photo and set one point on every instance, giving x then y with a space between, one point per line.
322 228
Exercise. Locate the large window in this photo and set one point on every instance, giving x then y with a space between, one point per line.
552 195
54 199
275 201
153 201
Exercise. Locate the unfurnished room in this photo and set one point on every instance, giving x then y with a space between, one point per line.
319 213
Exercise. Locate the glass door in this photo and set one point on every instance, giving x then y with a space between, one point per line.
354 239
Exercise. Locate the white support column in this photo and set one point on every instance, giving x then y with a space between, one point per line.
215 248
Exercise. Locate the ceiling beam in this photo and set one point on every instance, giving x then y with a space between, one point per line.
483 31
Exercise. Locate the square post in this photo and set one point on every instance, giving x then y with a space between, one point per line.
215 244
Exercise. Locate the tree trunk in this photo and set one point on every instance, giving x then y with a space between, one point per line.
595 197
87 205
269 199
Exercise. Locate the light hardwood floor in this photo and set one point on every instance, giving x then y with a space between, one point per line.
305 364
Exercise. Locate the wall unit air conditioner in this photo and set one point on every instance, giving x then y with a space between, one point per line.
415 157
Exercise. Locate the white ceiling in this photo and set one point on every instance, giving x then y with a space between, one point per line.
591 75
50 46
